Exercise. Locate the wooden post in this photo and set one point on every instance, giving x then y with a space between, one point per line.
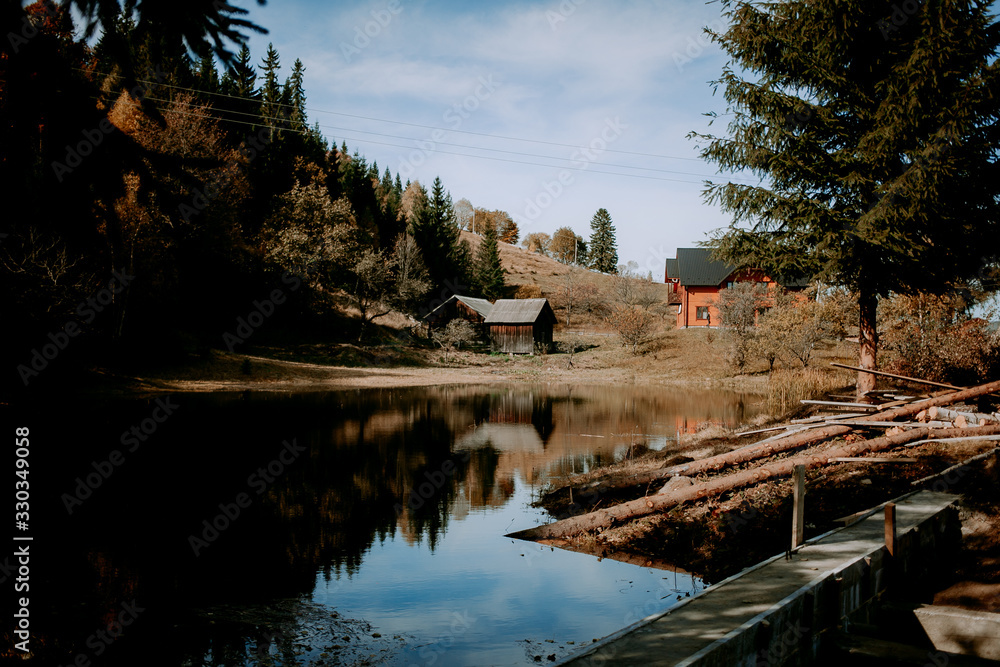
798 509
890 528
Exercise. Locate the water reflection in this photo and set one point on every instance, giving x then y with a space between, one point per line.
397 493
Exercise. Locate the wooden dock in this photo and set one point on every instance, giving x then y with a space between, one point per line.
782 611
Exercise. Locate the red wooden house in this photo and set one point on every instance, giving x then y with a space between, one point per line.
696 280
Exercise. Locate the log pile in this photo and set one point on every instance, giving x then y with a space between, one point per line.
907 421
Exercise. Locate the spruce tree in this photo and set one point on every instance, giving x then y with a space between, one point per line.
295 88
603 250
487 272
435 231
270 92
873 126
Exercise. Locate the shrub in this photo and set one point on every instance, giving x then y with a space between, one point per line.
632 324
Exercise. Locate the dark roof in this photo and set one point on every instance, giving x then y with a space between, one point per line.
695 267
520 311
672 269
481 306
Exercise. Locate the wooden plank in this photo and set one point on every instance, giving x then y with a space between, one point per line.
822 418
839 404
890 528
798 507
898 377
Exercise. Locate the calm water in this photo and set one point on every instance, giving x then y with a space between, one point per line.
362 527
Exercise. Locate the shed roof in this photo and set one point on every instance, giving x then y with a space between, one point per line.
520 311
481 306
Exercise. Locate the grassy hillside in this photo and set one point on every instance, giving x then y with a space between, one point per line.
530 275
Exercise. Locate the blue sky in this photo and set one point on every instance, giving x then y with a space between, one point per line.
555 93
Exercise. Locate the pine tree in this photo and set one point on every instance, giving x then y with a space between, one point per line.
270 92
873 127
487 272
208 77
435 231
603 250
241 79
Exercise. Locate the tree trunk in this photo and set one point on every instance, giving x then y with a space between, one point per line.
868 339
713 487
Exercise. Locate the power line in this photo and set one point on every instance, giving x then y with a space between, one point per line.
400 122
480 157
437 143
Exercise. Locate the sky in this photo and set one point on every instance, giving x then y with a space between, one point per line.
548 110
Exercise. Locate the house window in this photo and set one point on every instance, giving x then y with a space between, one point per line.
702 313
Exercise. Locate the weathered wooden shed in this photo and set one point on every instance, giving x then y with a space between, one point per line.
519 326
465 307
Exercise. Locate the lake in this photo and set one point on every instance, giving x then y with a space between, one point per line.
353 527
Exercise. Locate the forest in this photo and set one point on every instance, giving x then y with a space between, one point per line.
167 205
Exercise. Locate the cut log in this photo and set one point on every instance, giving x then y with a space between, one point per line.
863 459
976 419
897 377
788 441
607 517
796 440
839 404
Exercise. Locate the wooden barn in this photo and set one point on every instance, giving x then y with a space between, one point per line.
520 326
464 307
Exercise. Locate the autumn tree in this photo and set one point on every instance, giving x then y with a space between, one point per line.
313 236
738 308
537 242
876 140
602 250
463 214
567 247
509 232
372 289
487 272
632 325
412 283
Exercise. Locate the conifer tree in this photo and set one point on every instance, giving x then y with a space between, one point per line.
602 249
270 92
487 272
208 76
873 127
435 231
296 95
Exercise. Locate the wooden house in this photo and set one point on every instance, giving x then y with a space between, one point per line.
696 280
520 326
464 307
